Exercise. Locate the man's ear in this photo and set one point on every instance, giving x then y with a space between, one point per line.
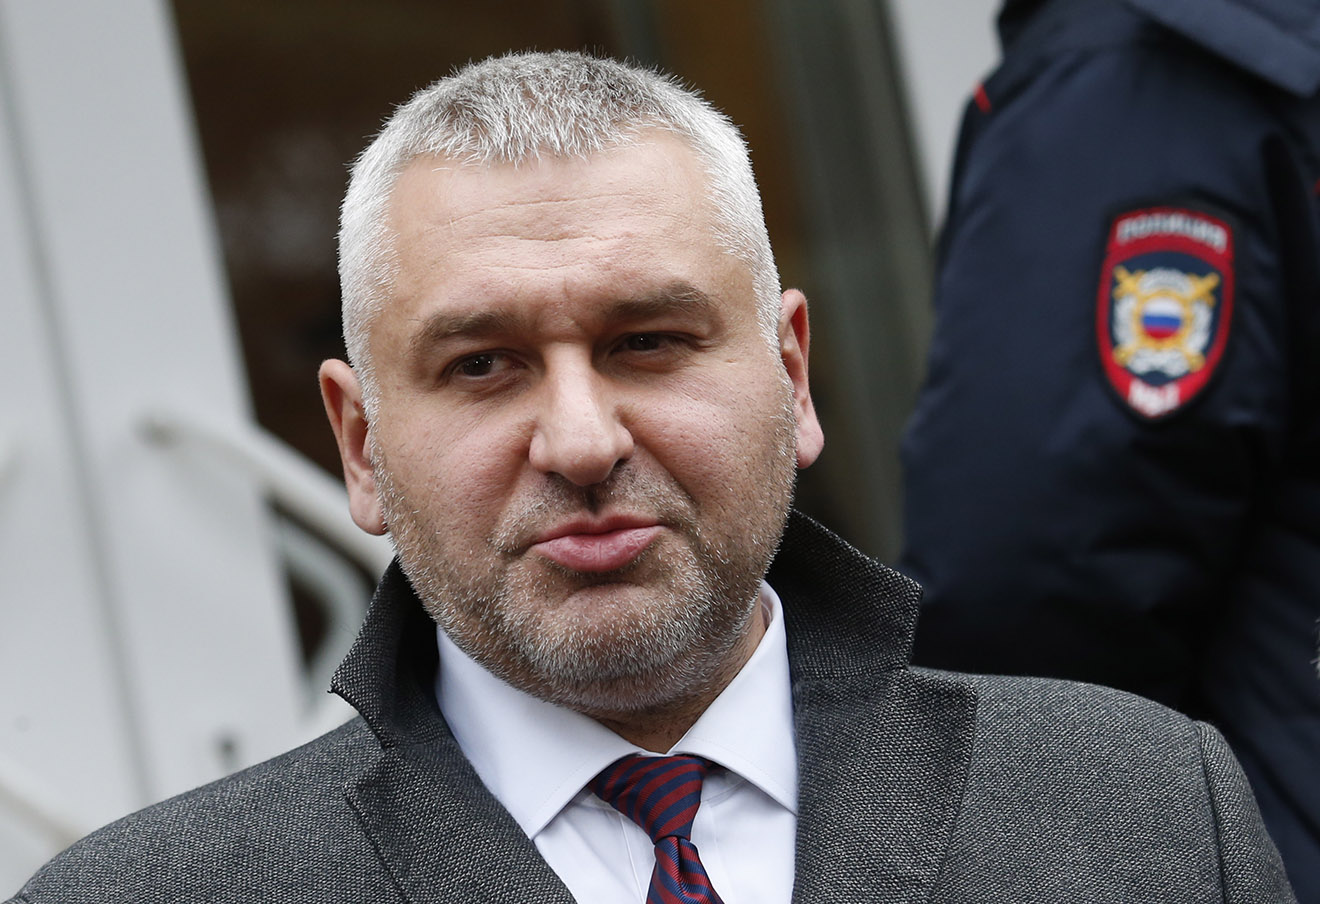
342 395
794 342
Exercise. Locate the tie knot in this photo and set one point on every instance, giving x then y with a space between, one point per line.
659 793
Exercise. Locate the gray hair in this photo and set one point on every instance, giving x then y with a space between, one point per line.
511 109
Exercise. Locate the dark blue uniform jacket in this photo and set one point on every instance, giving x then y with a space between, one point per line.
1113 471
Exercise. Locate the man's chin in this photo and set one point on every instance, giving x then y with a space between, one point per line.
623 656
614 696
599 605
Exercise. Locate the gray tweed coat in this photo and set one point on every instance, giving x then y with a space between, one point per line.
915 785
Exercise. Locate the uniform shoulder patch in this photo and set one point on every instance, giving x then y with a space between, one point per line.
1165 306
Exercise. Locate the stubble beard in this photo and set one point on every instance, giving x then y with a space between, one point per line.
622 656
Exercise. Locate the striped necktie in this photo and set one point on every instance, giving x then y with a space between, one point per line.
661 794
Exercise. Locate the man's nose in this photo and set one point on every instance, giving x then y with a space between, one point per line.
579 434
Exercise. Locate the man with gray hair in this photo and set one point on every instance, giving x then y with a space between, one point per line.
609 664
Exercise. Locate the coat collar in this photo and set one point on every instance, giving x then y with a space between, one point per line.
882 751
844 613
388 672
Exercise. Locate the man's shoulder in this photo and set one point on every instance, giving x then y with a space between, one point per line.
1071 718
270 826
1117 787
1044 743
1028 697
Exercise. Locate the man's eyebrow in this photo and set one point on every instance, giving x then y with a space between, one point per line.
680 298
441 326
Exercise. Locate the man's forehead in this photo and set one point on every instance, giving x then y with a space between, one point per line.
630 223
652 193
645 162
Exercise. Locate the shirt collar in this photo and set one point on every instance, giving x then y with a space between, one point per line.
535 756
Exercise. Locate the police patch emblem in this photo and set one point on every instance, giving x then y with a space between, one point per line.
1165 306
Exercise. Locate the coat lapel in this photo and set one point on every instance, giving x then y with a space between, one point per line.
881 783
440 833
882 751
442 836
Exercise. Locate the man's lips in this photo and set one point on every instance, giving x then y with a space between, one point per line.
606 546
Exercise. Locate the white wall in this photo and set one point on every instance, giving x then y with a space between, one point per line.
145 642
946 48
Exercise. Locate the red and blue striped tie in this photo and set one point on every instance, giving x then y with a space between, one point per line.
661 794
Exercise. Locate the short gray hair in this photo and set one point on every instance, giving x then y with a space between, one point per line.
518 107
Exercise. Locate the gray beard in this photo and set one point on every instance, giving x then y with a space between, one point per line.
676 648
651 658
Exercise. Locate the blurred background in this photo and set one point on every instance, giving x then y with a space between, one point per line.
178 575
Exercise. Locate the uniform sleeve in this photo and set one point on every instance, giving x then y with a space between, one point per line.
1250 866
1050 521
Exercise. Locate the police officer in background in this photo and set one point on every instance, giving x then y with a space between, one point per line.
1113 471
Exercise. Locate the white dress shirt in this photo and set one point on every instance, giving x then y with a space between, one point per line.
536 758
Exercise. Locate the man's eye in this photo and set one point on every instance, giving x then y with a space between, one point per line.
482 365
644 342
